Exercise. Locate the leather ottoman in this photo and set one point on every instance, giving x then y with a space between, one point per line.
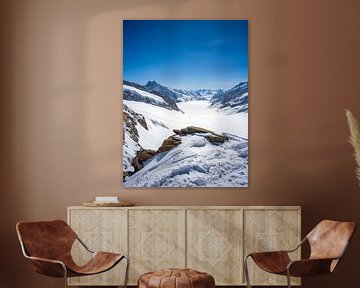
176 278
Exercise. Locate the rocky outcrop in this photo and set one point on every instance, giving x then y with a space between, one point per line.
130 124
174 140
141 156
131 119
190 130
145 154
216 139
211 136
169 143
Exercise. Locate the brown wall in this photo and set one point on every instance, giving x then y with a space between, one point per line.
60 113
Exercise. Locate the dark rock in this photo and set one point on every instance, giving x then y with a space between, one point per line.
141 156
211 136
130 124
169 143
191 130
127 174
216 139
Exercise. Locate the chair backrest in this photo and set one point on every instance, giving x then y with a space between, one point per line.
46 239
329 239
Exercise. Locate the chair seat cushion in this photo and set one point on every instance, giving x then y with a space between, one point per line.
99 262
272 262
176 278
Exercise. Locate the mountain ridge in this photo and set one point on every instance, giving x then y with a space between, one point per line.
180 95
235 100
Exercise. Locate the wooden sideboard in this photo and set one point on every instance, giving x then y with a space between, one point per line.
213 239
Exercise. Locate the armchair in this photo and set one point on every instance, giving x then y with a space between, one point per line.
48 245
328 242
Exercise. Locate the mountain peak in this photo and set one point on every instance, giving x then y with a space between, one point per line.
152 83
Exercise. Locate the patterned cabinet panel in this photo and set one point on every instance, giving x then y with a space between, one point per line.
156 240
269 230
101 230
214 244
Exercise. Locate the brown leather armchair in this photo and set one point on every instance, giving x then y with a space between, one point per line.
48 245
328 242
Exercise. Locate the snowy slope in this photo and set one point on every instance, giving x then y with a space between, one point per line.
144 94
196 162
136 92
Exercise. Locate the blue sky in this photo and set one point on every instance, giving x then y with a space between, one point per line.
186 54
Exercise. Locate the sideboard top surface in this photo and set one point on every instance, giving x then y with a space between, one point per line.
193 207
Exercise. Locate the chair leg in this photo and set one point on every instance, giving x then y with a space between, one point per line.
246 270
65 276
127 271
288 278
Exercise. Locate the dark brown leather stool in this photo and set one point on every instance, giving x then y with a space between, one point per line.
176 278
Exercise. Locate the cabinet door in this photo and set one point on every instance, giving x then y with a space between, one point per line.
100 230
214 244
156 240
271 230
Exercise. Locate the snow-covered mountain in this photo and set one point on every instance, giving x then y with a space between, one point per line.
234 100
153 86
196 162
180 95
136 92
154 156
200 94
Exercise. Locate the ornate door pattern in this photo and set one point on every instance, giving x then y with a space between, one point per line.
101 230
270 230
156 240
214 239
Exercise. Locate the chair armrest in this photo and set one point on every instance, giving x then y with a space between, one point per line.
309 267
48 267
45 260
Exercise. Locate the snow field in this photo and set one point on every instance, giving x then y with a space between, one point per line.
196 162
162 121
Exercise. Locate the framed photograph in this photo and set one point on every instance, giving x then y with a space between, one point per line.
185 103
